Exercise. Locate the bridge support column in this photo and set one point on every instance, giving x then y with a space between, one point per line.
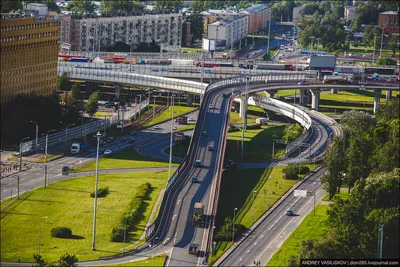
377 99
301 101
334 91
189 99
271 93
243 106
315 98
388 95
117 90
90 87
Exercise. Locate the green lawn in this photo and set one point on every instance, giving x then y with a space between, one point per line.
252 114
158 261
124 159
313 227
102 114
68 203
254 140
344 194
166 115
235 193
190 50
5 202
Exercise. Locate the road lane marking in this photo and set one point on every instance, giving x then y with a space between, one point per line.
248 251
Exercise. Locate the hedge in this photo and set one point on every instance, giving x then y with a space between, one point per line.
130 216
101 192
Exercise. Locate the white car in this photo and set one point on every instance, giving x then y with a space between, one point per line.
156 127
175 128
107 152
210 106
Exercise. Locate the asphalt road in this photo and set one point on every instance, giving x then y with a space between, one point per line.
35 176
266 239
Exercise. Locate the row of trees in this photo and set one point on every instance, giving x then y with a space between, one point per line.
66 260
366 160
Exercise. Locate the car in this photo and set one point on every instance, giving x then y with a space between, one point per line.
101 151
155 70
107 152
302 82
190 119
210 148
210 106
110 140
131 140
194 179
123 139
176 120
123 108
65 169
230 164
164 69
204 133
156 127
101 143
175 128
132 133
289 213
197 163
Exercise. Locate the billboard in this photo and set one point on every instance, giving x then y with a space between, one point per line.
208 45
322 62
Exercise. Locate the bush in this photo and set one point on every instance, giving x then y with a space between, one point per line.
117 233
304 169
101 192
61 232
386 61
292 131
231 130
290 172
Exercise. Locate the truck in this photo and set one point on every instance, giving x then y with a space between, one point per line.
77 59
198 216
193 248
182 62
77 148
338 79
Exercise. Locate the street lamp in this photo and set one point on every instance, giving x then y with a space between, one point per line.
47 141
318 39
98 135
373 54
170 144
37 132
20 152
66 135
383 28
312 39
233 226
252 206
40 233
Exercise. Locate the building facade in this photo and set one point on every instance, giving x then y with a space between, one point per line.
228 31
29 53
213 15
389 20
258 16
99 33
186 41
296 13
349 14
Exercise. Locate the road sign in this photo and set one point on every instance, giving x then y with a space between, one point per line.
300 193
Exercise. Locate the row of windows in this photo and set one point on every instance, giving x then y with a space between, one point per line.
29 58
23 71
46 44
18 80
29 36
38 25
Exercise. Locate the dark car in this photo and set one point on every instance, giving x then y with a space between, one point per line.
289 213
65 170
101 151
110 140
131 140
210 148
132 133
123 139
230 164
204 133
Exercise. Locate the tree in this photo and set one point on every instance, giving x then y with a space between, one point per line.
92 104
38 261
63 82
81 6
367 13
76 97
52 6
386 61
371 33
129 6
169 5
393 43
67 260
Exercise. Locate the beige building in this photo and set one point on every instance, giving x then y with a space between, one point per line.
258 16
296 13
29 52
164 29
228 31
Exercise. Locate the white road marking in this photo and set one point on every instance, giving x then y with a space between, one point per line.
248 251
174 217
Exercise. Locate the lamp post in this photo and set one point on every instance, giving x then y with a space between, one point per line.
312 39
98 135
233 225
216 40
202 59
318 39
66 135
252 206
269 32
37 132
383 28
170 144
47 141
40 233
373 54
20 152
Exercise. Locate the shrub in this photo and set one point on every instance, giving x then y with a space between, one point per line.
117 233
290 172
101 192
304 169
292 131
61 232
231 130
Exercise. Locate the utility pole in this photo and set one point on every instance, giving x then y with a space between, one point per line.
45 175
380 239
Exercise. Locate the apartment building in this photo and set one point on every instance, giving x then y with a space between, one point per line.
389 20
213 15
258 16
29 52
88 33
228 31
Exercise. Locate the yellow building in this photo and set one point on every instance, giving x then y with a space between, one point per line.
28 55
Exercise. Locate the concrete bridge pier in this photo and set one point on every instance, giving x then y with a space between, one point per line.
315 98
243 106
334 91
189 99
302 101
117 90
388 95
90 87
377 99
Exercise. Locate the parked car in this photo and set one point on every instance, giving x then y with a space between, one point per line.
175 128
210 106
123 139
110 140
107 152
132 133
210 148
204 133
289 213
131 140
156 127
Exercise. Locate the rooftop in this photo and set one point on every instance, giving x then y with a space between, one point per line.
254 9
219 11
227 21
389 13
